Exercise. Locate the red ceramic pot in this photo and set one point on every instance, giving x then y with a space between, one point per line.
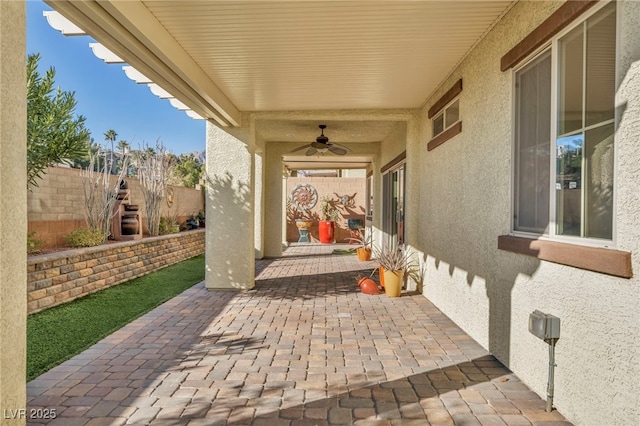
326 230
368 286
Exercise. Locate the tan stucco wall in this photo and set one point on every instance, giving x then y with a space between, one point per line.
393 145
13 211
464 189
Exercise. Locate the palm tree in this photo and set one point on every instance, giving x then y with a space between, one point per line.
123 146
110 136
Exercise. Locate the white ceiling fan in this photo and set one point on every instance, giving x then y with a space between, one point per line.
322 145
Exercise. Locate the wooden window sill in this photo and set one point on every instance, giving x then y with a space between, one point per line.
445 136
602 260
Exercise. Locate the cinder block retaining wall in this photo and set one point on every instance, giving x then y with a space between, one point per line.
56 206
61 277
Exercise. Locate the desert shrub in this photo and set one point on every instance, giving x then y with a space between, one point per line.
164 226
86 237
167 225
33 244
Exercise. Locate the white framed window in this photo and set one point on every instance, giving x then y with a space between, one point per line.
444 120
564 133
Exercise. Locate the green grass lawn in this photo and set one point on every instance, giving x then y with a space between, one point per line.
59 333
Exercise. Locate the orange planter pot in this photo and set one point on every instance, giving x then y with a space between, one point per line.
381 275
364 253
326 231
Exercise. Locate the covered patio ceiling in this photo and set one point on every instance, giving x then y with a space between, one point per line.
292 64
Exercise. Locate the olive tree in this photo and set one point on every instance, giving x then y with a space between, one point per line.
54 135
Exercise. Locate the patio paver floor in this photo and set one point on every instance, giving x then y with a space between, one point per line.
305 347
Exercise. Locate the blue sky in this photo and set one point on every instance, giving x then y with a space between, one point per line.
105 95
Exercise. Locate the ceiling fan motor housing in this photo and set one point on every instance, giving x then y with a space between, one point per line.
322 138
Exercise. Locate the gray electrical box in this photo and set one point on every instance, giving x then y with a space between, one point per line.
544 326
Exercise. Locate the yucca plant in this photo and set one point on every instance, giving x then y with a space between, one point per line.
393 257
364 239
395 263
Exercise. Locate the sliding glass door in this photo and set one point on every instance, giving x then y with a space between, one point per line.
393 205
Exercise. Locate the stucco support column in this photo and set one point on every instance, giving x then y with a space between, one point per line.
273 211
13 212
412 196
378 197
259 203
412 182
230 244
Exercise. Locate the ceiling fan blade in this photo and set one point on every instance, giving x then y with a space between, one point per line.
338 150
340 146
318 145
311 151
300 148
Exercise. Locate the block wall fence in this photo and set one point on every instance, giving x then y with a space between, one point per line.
56 206
60 277
332 187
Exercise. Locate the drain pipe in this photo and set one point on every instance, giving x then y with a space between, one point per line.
552 364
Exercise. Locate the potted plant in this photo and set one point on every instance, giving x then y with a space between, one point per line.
329 214
192 222
364 241
395 262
